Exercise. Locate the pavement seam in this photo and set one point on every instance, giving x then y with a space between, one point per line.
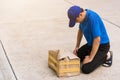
111 23
8 60
69 2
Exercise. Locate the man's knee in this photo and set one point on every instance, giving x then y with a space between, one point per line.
86 69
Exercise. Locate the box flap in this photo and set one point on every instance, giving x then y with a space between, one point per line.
65 53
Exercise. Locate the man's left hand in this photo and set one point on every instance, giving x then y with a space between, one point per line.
87 59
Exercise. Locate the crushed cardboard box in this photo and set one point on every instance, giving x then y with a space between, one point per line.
63 62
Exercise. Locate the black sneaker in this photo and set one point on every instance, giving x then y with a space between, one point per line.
108 62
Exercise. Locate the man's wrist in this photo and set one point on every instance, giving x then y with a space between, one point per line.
76 46
91 57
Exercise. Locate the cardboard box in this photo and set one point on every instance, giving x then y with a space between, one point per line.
64 63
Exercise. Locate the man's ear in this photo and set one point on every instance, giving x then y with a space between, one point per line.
80 15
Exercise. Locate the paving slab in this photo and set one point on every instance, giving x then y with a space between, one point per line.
29 28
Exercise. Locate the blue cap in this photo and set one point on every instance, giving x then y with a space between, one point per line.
73 13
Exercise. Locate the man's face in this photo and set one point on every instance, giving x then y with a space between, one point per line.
79 19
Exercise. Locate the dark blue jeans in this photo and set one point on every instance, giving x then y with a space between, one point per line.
98 60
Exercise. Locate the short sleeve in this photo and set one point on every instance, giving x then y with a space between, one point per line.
95 28
79 26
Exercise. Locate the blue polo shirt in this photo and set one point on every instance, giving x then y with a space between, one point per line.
92 27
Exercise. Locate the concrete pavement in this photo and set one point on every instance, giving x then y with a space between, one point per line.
29 28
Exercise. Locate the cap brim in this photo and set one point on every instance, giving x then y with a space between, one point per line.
72 23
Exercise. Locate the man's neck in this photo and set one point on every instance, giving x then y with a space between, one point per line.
84 14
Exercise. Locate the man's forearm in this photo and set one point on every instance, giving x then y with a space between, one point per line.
79 37
95 47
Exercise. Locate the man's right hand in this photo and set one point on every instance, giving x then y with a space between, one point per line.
75 51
